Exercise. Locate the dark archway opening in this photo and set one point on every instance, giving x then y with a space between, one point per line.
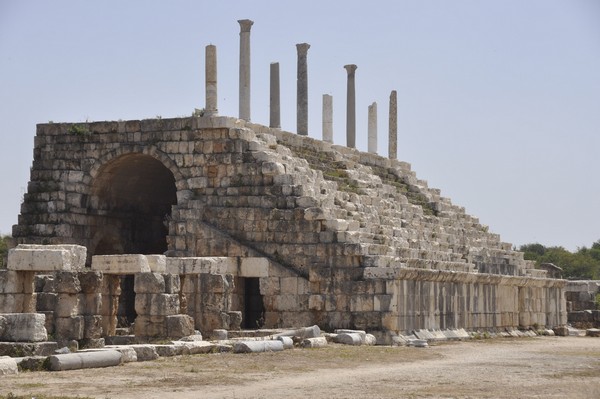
131 205
254 308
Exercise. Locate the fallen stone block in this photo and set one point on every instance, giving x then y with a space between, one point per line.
348 339
180 325
171 350
85 360
8 366
318 342
32 363
219 334
193 337
305 332
592 332
288 342
257 346
561 331
23 349
24 327
145 352
196 347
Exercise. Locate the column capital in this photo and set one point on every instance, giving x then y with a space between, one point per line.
350 68
302 48
245 24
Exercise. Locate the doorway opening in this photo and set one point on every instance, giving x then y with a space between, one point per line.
254 308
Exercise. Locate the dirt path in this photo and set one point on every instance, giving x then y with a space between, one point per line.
548 367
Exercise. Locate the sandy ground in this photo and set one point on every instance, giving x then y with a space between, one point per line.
544 367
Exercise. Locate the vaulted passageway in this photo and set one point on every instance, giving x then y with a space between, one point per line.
131 204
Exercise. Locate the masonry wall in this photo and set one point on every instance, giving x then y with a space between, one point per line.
329 219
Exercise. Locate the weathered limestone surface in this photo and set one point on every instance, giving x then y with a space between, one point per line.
351 107
302 90
211 108
42 258
334 236
245 78
84 360
8 366
22 327
328 118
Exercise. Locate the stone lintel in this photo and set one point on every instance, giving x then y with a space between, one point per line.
121 264
202 265
46 258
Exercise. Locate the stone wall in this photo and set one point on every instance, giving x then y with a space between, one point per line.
351 239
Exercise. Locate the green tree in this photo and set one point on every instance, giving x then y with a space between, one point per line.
4 240
583 264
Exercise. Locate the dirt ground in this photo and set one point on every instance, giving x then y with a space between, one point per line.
544 367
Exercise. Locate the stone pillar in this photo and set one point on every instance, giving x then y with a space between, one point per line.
302 90
393 129
328 118
245 25
351 108
373 128
210 70
275 107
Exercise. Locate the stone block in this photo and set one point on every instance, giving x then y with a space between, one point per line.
91 282
150 326
304 332
24 327
45 301
235 320
157 304
92 327
45 258
8 366
11 282
90 304
201 265
92 343
254 267
170 350
179 326
20 349
120 264
67 305
67 282
128 354
172 283
11 303
69 327
149 283
157 263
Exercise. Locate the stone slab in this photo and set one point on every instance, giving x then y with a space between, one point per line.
145 352
21 349
304 332
254 267
121 264
85 360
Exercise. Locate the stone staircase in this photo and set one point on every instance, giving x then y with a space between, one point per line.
396 218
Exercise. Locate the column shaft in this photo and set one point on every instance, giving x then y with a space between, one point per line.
351 107
373 128
210 108
245 25
302 90
327 118
393 126
274 101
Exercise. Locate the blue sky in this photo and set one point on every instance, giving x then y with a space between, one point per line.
498 101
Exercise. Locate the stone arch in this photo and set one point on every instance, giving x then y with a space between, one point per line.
133 191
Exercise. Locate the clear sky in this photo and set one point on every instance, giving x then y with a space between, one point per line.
498 101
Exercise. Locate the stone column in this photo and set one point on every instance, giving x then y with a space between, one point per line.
393 127
275 107
211 80
351 108
302 90
373 128
245 25
328 118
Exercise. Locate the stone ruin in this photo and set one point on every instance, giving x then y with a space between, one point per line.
210 222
